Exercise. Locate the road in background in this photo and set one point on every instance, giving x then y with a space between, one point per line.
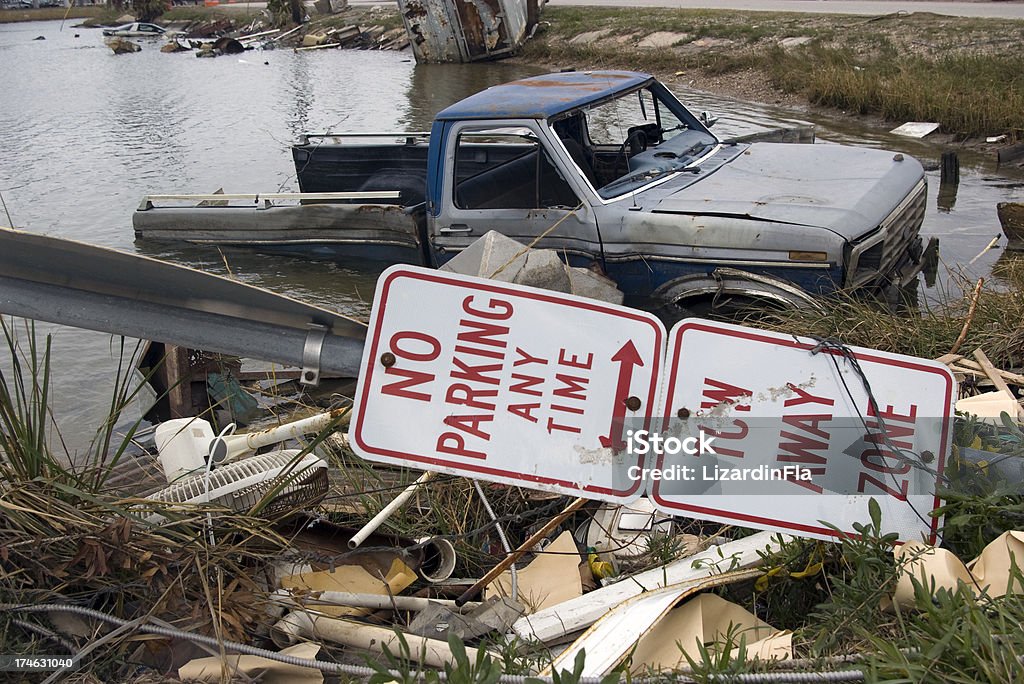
992 10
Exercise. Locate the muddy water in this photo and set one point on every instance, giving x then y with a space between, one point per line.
85 134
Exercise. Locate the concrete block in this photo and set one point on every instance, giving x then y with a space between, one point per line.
498 613
543 269
501 258
662 39
589 37
487 255
586 283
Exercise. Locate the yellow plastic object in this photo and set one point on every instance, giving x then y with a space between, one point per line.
599 568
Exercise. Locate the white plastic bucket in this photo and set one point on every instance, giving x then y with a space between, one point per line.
183 445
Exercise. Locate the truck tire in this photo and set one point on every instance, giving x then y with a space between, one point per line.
728 293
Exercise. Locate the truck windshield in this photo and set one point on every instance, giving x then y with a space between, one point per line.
631 141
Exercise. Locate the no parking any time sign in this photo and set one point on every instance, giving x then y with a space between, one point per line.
505 383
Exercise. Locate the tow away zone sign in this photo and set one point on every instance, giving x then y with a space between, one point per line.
512 384
773 400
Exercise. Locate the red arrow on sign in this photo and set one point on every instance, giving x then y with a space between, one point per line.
626 357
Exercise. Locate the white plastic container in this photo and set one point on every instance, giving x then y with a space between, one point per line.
183 445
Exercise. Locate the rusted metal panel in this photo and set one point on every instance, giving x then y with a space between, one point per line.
465 30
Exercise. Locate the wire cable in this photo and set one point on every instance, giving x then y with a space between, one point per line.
363 671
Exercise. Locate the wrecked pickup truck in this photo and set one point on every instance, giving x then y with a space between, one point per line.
613 172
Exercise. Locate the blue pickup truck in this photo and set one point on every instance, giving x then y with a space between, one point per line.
612 171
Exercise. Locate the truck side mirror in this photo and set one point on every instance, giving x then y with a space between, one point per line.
707 119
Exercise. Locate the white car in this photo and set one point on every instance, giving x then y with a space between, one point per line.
136 29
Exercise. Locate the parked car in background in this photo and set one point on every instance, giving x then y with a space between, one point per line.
136 29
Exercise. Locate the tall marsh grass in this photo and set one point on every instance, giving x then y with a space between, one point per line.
66 538
997 325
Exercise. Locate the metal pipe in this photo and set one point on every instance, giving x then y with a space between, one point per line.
374 601
500 529
389 510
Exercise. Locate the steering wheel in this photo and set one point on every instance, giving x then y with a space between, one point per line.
636 141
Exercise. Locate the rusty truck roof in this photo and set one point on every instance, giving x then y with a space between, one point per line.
541 97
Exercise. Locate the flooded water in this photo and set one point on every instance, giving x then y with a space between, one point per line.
85 134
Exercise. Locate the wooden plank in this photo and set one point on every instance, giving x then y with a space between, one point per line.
1006 375
992 373
179 381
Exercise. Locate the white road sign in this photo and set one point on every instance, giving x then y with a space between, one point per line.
505 383
796 438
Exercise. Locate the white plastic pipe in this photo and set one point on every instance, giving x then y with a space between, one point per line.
299 625
251 441
374 601
439 559
389 510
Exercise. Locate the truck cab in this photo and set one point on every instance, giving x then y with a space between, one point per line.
611 170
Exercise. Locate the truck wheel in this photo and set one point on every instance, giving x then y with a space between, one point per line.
732 293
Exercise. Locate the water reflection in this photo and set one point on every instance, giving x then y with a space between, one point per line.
301 91
435 86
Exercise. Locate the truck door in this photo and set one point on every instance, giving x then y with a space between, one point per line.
502 176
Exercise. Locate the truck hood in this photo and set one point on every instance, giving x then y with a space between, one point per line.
847 190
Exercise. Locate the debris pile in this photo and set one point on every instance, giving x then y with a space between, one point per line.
314 560
222 36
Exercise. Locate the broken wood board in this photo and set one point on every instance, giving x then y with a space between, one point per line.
352 579
551 578
554 623
962 364
650 628
254 668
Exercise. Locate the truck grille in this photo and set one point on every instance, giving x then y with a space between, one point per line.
893 248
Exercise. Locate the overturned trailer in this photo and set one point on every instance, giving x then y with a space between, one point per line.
467 30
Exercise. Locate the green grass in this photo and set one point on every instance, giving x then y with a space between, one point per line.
997 325
49 13
966 74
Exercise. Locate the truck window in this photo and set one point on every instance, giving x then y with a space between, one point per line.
506 168
611 122
639 138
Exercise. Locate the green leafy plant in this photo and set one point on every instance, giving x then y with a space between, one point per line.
576 674
949 637
866 574
726 655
